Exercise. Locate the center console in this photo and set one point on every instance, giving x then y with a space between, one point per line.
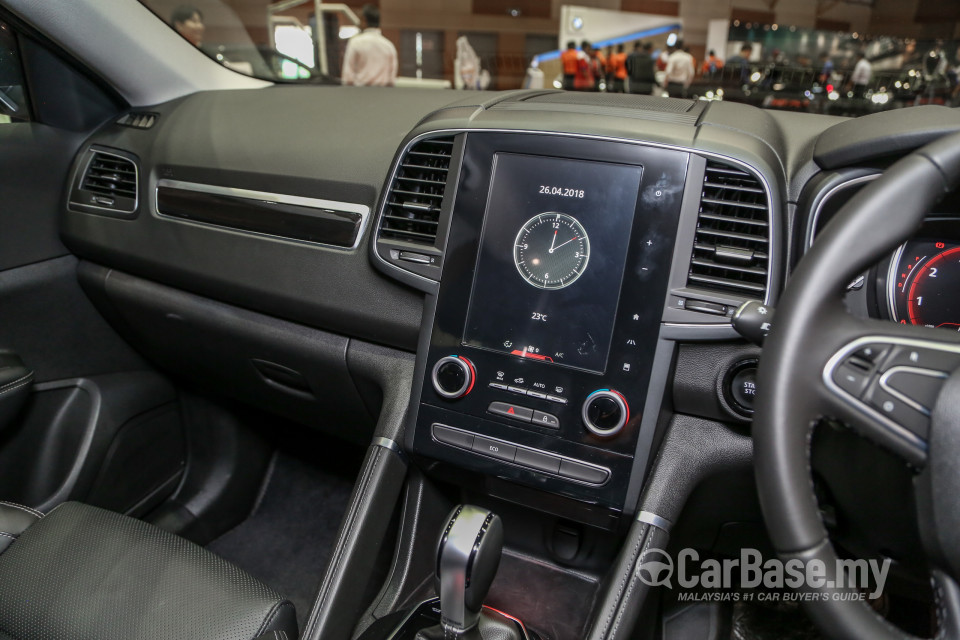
547 318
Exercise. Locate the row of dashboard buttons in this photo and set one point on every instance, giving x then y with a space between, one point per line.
521 391
524 414
520 455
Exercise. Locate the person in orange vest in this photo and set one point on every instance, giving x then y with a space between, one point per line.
599 63
713 65
569 59
618 69
586 78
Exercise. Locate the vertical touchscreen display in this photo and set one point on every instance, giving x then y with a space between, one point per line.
552 257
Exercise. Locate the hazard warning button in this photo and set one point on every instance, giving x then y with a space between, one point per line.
511 411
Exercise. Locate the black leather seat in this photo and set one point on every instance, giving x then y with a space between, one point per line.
84 573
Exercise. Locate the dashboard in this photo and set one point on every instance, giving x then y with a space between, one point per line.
564 266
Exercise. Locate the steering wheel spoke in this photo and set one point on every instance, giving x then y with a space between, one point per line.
885 384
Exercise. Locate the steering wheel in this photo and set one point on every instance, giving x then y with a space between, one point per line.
897 385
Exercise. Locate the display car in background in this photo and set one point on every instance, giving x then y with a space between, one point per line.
294 359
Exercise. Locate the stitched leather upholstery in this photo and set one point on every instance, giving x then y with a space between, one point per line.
14 520
83 572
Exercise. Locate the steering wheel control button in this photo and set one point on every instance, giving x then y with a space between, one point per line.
545 420
899 411
920 358
453 377
537 460
512 411
851 378
872 352
452 437
582 472
919 387
494 448
605 412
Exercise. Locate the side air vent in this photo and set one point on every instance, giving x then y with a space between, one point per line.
412 211
138 120
731 248
108 182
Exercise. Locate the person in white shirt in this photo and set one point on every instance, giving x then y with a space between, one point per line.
679 73
860 77
370 59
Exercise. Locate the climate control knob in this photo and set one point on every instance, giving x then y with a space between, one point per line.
453 377
604 412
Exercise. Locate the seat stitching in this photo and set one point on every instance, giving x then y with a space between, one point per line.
22 378
271 616
22 508
8 535
22 384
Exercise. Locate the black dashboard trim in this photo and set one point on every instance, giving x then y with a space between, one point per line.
247 199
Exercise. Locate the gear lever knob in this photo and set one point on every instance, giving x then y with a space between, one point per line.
468 555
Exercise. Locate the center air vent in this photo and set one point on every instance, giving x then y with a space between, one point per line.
109 181
731 249
412 211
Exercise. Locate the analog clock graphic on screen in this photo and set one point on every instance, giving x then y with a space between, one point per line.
551 250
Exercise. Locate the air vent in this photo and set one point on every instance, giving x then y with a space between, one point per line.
108 182
412 212
138 120
731 248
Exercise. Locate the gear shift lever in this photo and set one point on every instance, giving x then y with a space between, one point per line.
468 555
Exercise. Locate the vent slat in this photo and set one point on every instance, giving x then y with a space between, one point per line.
110 175
717 185
728 283
731 247
734 203
733 220
416 194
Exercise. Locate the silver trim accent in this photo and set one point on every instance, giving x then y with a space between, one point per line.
772 206
467 377
815 218
235 192
387 443
458 547
136 177
520 446
654 520
594 429
892 282
930 373
903 434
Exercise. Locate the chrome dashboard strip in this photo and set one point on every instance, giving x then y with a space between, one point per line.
774 219
815 218
282 198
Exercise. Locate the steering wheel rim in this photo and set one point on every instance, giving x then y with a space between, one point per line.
810 331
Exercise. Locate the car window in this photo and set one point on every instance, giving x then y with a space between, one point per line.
13 95
830 66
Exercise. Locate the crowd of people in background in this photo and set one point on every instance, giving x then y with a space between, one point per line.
673 71
588 68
